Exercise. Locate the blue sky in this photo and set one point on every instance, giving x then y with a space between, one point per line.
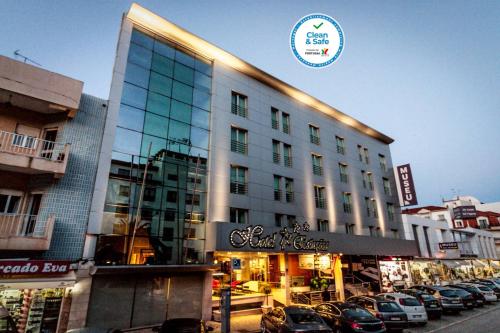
426 73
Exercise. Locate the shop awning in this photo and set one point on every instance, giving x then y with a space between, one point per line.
46 282
451 263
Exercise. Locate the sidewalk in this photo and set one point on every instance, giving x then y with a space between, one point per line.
242 324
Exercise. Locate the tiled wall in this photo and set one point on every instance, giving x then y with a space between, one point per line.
69 198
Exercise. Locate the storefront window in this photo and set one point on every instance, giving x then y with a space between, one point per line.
395 275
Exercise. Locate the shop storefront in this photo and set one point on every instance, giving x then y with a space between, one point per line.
36 294
286 265
395 273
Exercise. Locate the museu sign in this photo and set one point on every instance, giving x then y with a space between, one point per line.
295 238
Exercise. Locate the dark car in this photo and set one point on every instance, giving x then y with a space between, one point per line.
447 297
394 318
467 298
431 304
349 318
184 325
294 318
474 291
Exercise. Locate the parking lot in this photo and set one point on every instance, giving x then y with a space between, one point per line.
478 320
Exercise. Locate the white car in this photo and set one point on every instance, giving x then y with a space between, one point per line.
487 292
410 305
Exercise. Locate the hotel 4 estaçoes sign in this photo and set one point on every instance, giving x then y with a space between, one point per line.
294 238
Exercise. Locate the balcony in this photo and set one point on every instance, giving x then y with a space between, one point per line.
320 202
277 158
314 139
239 110
277 195
238 187
289 197
239 147
288 161
22 232
26 154
318 170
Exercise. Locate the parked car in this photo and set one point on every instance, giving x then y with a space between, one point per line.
414 309
294 318
431 304
184 325
488 293
447 297
394 318
473 290
349 318
490 284
467 298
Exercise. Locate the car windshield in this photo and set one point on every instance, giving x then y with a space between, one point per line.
388 307
426 297
356 313
484 288
304 317
448 293
410 302
461 292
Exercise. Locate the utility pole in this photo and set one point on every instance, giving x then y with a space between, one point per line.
139 206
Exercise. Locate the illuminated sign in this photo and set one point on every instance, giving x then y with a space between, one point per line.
406 186
448 246
33 267
254 237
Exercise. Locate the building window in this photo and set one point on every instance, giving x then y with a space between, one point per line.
369 179
239 104
366 155
317 164
374 207
278 220
287 155
289 196
319 196
285 119
239 140
459 223
275 123
368 206
291 220
395 233
192 199
340 145
168 234
483 223
415 237
239 180
277 188
238 215
314 134
344 177
390 211
323 225
149 194
172 196
276 152
383 162
349 229
360 153
372 231
9 204
363 178
387 186
123 191
347 202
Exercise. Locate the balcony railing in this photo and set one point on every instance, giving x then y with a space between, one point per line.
25 232
344 178
387 190
275 124
239 110
238 188
370 185
341 150
320 202
239 147
289 197
288 161
277 195
33 153
318 170
30 146
276 158
286 128
314 139
347 208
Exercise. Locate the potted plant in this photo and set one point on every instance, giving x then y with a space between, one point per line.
266 289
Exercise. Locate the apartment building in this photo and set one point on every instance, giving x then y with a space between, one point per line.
50 136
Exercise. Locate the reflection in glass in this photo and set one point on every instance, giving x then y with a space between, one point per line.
162 65
142 39
160 84
155 125
203 66
164 49
201 99
180 111
202 82
127 141
182 92
134 96
140 56
157 145
183 74
179 132
199 137
184 58
137 75
200 118
131 118
158 104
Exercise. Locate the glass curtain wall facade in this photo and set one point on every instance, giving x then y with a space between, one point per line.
162 140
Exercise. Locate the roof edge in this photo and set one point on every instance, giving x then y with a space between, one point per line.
159 25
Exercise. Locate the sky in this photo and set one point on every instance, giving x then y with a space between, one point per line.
426 73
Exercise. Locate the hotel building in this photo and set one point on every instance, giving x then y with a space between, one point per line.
206 158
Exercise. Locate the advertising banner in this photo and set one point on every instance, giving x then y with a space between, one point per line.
408 195
464 212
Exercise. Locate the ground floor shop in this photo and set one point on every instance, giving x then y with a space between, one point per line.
36 294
